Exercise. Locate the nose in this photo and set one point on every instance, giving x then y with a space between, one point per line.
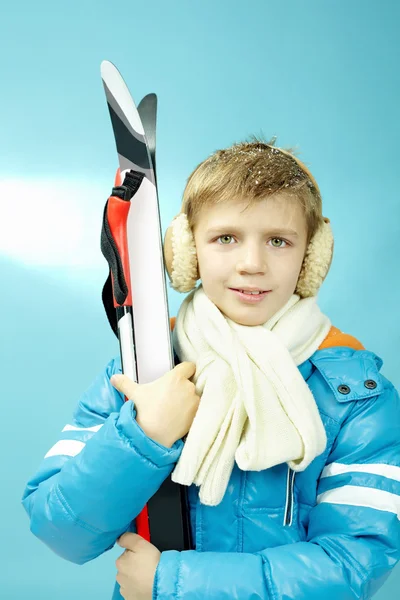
253 259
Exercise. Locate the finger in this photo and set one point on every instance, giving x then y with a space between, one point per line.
124 385
186 369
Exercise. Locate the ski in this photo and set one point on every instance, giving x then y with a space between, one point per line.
135 295
147 109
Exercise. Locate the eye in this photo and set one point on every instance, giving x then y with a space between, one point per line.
278 240
224 236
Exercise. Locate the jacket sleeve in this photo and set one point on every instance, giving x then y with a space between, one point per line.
353 538
99 475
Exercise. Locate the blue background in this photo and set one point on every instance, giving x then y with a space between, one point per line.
322 76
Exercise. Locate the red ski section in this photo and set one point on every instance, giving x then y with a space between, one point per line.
142 524
118 178
117 216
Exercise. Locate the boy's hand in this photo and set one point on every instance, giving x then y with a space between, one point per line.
136 567
166 407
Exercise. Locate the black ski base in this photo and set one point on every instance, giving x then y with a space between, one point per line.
169 518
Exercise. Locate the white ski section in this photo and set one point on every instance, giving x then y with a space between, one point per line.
150 306
127 346
117 86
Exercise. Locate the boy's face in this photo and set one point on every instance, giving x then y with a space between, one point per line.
251 249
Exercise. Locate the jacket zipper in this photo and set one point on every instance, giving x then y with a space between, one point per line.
288 518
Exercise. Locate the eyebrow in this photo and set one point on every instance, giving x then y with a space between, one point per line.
233 229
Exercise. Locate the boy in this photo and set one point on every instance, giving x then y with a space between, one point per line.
292 449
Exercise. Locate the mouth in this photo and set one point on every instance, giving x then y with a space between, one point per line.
250 296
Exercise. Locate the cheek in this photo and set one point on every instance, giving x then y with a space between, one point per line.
212 263
287 270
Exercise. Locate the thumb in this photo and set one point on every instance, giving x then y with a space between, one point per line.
130 541
124 385
186 369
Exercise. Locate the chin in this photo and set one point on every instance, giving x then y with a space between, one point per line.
248 320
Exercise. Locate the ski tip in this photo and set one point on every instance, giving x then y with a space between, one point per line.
150 100
106 68
119 98
154 99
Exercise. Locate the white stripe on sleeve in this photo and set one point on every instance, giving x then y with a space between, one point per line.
355 495
65 448
75 428
389 471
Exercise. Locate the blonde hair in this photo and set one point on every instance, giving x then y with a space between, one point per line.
252 170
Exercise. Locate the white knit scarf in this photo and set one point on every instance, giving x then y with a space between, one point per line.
255 406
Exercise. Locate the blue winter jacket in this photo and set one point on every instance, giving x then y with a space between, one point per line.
331 532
